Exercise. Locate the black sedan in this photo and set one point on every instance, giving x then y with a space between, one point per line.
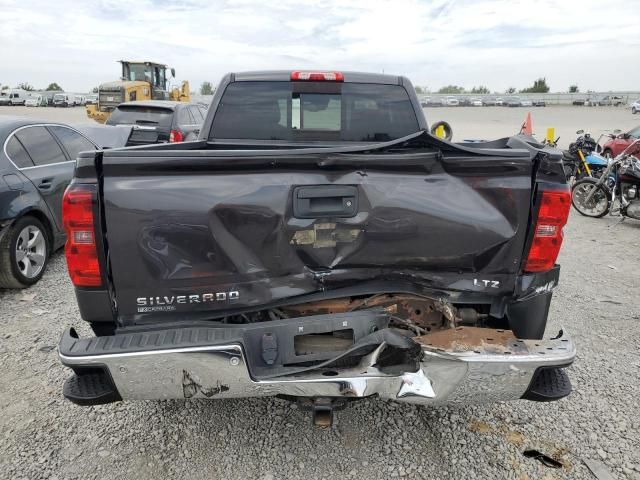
159 121
36 165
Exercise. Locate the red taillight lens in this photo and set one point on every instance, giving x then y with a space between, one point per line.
547 238
175 136
317 76
80 248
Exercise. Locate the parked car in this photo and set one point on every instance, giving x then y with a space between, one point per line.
513 102
539 103
48 97
36 101
451 102
159 121
92 99
489 101
79 100
611 101
499 101
425 101
36 165
616 145
63 100
525 102
635 107
475 102
14 97
261 260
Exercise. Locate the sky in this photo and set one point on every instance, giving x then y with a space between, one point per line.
497 43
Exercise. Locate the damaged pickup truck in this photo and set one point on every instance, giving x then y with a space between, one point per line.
317 243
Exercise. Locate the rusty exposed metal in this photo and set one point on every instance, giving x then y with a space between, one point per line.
324 235
423 312
473 339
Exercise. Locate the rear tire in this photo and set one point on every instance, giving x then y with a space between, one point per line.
24 253
599 204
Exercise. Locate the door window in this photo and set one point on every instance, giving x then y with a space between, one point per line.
635 133
72 141
196 114
184 117
41 146
17 154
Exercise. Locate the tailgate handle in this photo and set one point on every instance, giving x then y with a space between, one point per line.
325 201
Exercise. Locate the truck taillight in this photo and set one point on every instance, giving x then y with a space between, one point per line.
175 136
317 76
80 248
547 237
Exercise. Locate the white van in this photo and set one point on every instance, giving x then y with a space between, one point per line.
80 100
14 97
64 100
36 100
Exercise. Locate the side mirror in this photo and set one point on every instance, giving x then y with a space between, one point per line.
442 130
579 132
173 72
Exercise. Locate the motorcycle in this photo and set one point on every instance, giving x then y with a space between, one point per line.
595 197
582 159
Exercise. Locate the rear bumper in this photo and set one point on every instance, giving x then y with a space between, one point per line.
453 369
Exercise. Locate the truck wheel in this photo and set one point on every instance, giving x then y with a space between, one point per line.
24 253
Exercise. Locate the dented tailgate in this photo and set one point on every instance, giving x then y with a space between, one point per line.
188 232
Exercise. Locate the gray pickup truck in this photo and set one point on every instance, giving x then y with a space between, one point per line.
317 243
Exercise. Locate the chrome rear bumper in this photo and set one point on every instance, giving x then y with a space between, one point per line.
457 366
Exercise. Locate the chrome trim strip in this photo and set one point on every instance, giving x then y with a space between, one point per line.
74 360
6 154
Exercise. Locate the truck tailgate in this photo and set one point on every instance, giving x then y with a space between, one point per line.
191 231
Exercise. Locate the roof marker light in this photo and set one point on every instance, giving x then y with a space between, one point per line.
317 76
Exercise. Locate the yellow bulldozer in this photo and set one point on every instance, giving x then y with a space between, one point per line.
139 81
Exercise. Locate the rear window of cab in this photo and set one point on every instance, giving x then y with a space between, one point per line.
291 111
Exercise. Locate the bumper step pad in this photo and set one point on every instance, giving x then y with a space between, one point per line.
92 388
548 384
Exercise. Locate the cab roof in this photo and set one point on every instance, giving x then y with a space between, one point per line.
349 77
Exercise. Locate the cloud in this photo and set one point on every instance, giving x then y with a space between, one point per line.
498 43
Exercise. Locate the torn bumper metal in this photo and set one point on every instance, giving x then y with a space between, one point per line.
462 365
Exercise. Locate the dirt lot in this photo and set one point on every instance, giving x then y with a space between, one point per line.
43 436
468 122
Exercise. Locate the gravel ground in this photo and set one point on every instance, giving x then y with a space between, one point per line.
43 436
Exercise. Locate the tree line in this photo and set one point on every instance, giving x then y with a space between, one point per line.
539 86
52 87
